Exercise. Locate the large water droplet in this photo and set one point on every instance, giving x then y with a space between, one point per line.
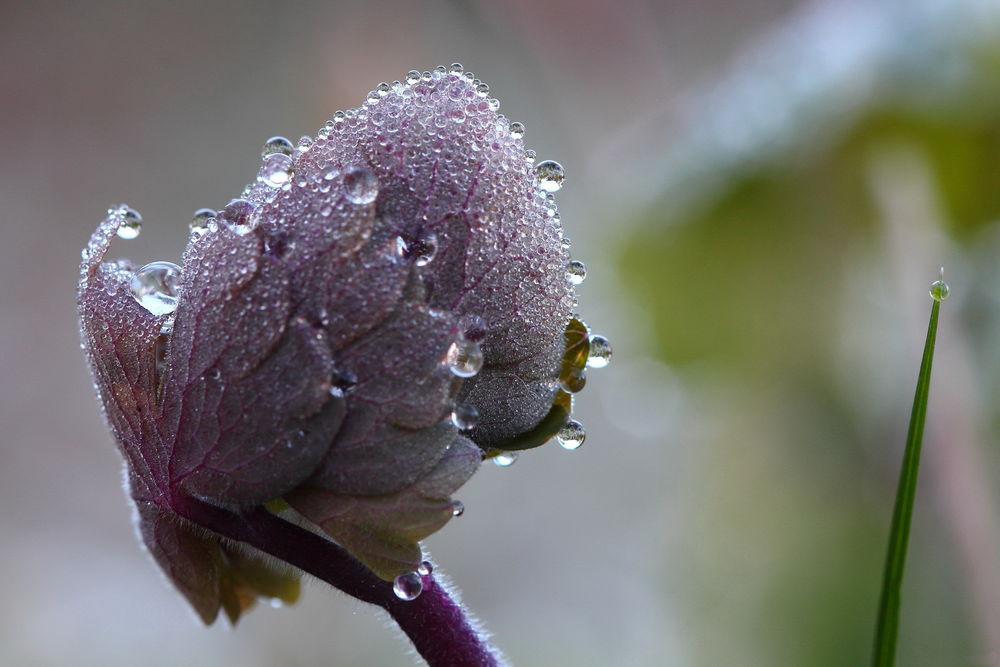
199 221
360 185
549 175
412 77
573 380
277 145
408 586
505 459
276 170
456 68
155 287
343 381
465 416
421 249
464 358
600 352
576 272
457 508
517 130
939 288
571 435
472 327
131 223
237 216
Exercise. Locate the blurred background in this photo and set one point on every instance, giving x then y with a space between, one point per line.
762 192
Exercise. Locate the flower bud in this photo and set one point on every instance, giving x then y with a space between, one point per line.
380 310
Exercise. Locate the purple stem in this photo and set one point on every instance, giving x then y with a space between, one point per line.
435 623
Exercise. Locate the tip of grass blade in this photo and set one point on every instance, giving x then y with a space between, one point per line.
887 625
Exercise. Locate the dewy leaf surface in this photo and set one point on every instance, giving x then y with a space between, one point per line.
401 265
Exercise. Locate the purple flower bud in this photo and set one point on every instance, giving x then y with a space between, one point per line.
383 308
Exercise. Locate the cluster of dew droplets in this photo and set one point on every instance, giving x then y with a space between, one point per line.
155 285
549 178
465 359
276 162
409 585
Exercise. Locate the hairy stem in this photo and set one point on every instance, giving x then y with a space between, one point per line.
437 625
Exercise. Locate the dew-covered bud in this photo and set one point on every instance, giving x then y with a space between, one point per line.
382 308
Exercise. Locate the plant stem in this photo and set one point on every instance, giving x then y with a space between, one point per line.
887 625
437 625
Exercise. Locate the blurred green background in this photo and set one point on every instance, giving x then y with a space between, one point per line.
762 192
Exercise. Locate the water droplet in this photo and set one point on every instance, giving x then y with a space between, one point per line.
383 89
464 358
412 77
600 352
421 250
342 382
199 221
465 416
939 290
573 380
576 271
131 223
276 169
505 459
154 286
277 243
425 568
277 145
549 175
236 216
304 143
517 130
408 586
275 603
472 327
457 508
482 89
571 435
456 68
360 185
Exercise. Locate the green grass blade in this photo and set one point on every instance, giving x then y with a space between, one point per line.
887 626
